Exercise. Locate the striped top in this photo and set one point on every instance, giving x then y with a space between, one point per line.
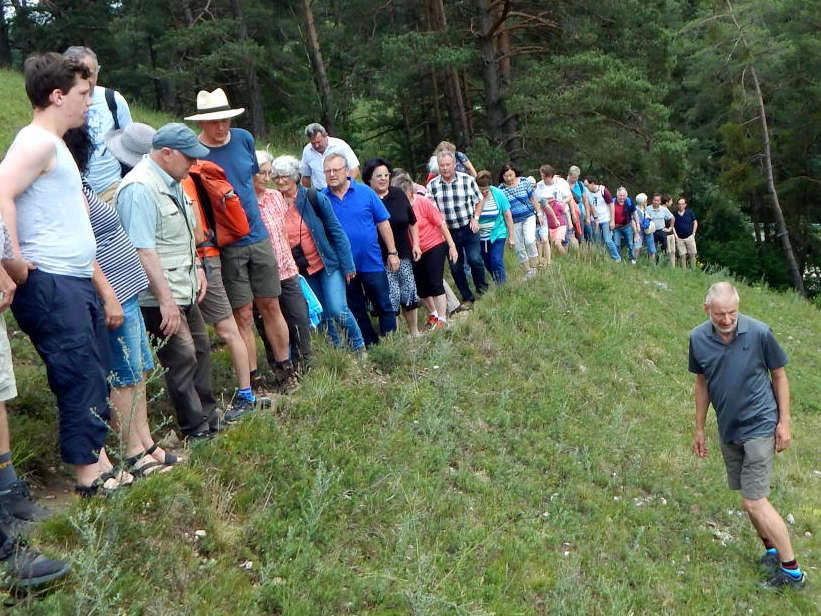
272 208
116 255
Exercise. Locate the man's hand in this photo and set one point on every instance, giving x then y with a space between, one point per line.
612 224
7 289
18 269
782 436
349 276
202 281
170 319
474 225
699 444
393 263
113 311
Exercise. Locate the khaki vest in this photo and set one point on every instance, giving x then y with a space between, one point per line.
174 236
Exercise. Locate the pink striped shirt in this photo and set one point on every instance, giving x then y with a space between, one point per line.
272 208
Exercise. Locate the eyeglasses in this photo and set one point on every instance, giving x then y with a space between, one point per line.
282 178
330 171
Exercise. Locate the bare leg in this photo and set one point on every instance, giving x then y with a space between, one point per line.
429 304
559 248
5 438
128 417
410 318
276 329
244 319
228 331
441 303
692 261
769 524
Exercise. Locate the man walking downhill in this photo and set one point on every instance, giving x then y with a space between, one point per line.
739 368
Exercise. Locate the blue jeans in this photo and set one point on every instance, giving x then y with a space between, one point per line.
607 238
493 254
330 290
371 286
467 244
647 239
625 232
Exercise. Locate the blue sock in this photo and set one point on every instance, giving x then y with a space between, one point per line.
7 474
246 394
791 568
772 551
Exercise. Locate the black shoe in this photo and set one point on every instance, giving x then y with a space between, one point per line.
196 437
770 562
781 579
239 407
19 503
25 567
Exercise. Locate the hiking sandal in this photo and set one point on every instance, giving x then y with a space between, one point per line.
146 469
170 458
98 486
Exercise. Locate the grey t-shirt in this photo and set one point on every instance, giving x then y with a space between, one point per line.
738 376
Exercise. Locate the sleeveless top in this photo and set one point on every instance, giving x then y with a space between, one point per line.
52 224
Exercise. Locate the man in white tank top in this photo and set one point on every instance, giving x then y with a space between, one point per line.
55 302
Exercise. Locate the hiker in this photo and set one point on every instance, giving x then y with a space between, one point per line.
555 199
318 241
624 215
646 227
128 343
130 144
739 368
526 217
249 267
158 218
272 207
377 174
435 244
663 222
319 146
495 227
23 566
463 164
579 193
457 196
56 304
364 219
108 112
602 212
685 226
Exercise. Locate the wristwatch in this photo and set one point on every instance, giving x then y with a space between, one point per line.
394 253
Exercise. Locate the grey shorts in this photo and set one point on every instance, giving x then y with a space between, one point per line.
8 386
749 466
215 305
249 271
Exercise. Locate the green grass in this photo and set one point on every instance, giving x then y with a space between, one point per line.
534 458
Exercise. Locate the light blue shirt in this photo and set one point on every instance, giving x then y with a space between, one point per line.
103 168
312 161
138 213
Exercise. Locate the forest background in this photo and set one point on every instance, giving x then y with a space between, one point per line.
655 95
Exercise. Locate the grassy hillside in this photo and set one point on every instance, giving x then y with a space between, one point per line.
534 458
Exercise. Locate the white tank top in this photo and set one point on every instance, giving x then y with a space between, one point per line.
53 227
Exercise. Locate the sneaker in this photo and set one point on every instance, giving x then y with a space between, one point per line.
285 377
440 324
770 562
781 579
18 502
632 261
530 273
239 407
25 567
431 324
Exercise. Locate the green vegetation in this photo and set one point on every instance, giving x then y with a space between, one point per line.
532 458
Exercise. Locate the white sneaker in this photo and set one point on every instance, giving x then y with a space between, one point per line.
530 273
632 261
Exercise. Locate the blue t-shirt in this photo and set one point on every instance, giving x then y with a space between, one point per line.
684 223
359 211
239 161
579 189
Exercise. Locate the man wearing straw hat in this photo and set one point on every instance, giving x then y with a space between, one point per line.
249 267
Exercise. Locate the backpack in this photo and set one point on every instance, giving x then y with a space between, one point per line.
111 101
224 217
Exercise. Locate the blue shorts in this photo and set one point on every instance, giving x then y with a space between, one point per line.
130 352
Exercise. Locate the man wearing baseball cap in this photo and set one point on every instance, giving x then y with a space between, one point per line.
159 220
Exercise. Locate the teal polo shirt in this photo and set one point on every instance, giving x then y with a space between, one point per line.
738 376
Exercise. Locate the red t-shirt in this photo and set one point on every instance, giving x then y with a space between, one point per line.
298 233
428 222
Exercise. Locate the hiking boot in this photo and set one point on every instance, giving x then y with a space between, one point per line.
24 566
781 579
770 562
239 407
431 324
285 378
18 502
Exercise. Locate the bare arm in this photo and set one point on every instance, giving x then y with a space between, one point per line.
112 309
453 255
416 252
612 207
354 173
781 387
702 404
471 169
386 233
306 181
159 287
695 227
511 239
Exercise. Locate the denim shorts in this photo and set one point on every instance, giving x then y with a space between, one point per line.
130 352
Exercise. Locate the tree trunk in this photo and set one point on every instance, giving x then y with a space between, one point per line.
320 75
453 89
5 44
255 111
781 225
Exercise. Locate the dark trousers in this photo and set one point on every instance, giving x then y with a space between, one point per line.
493 254
186 359
63 317
295 310
467 245
371 286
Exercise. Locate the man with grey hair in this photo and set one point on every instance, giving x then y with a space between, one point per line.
319 146
108 112
580 197
739 368
459 199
